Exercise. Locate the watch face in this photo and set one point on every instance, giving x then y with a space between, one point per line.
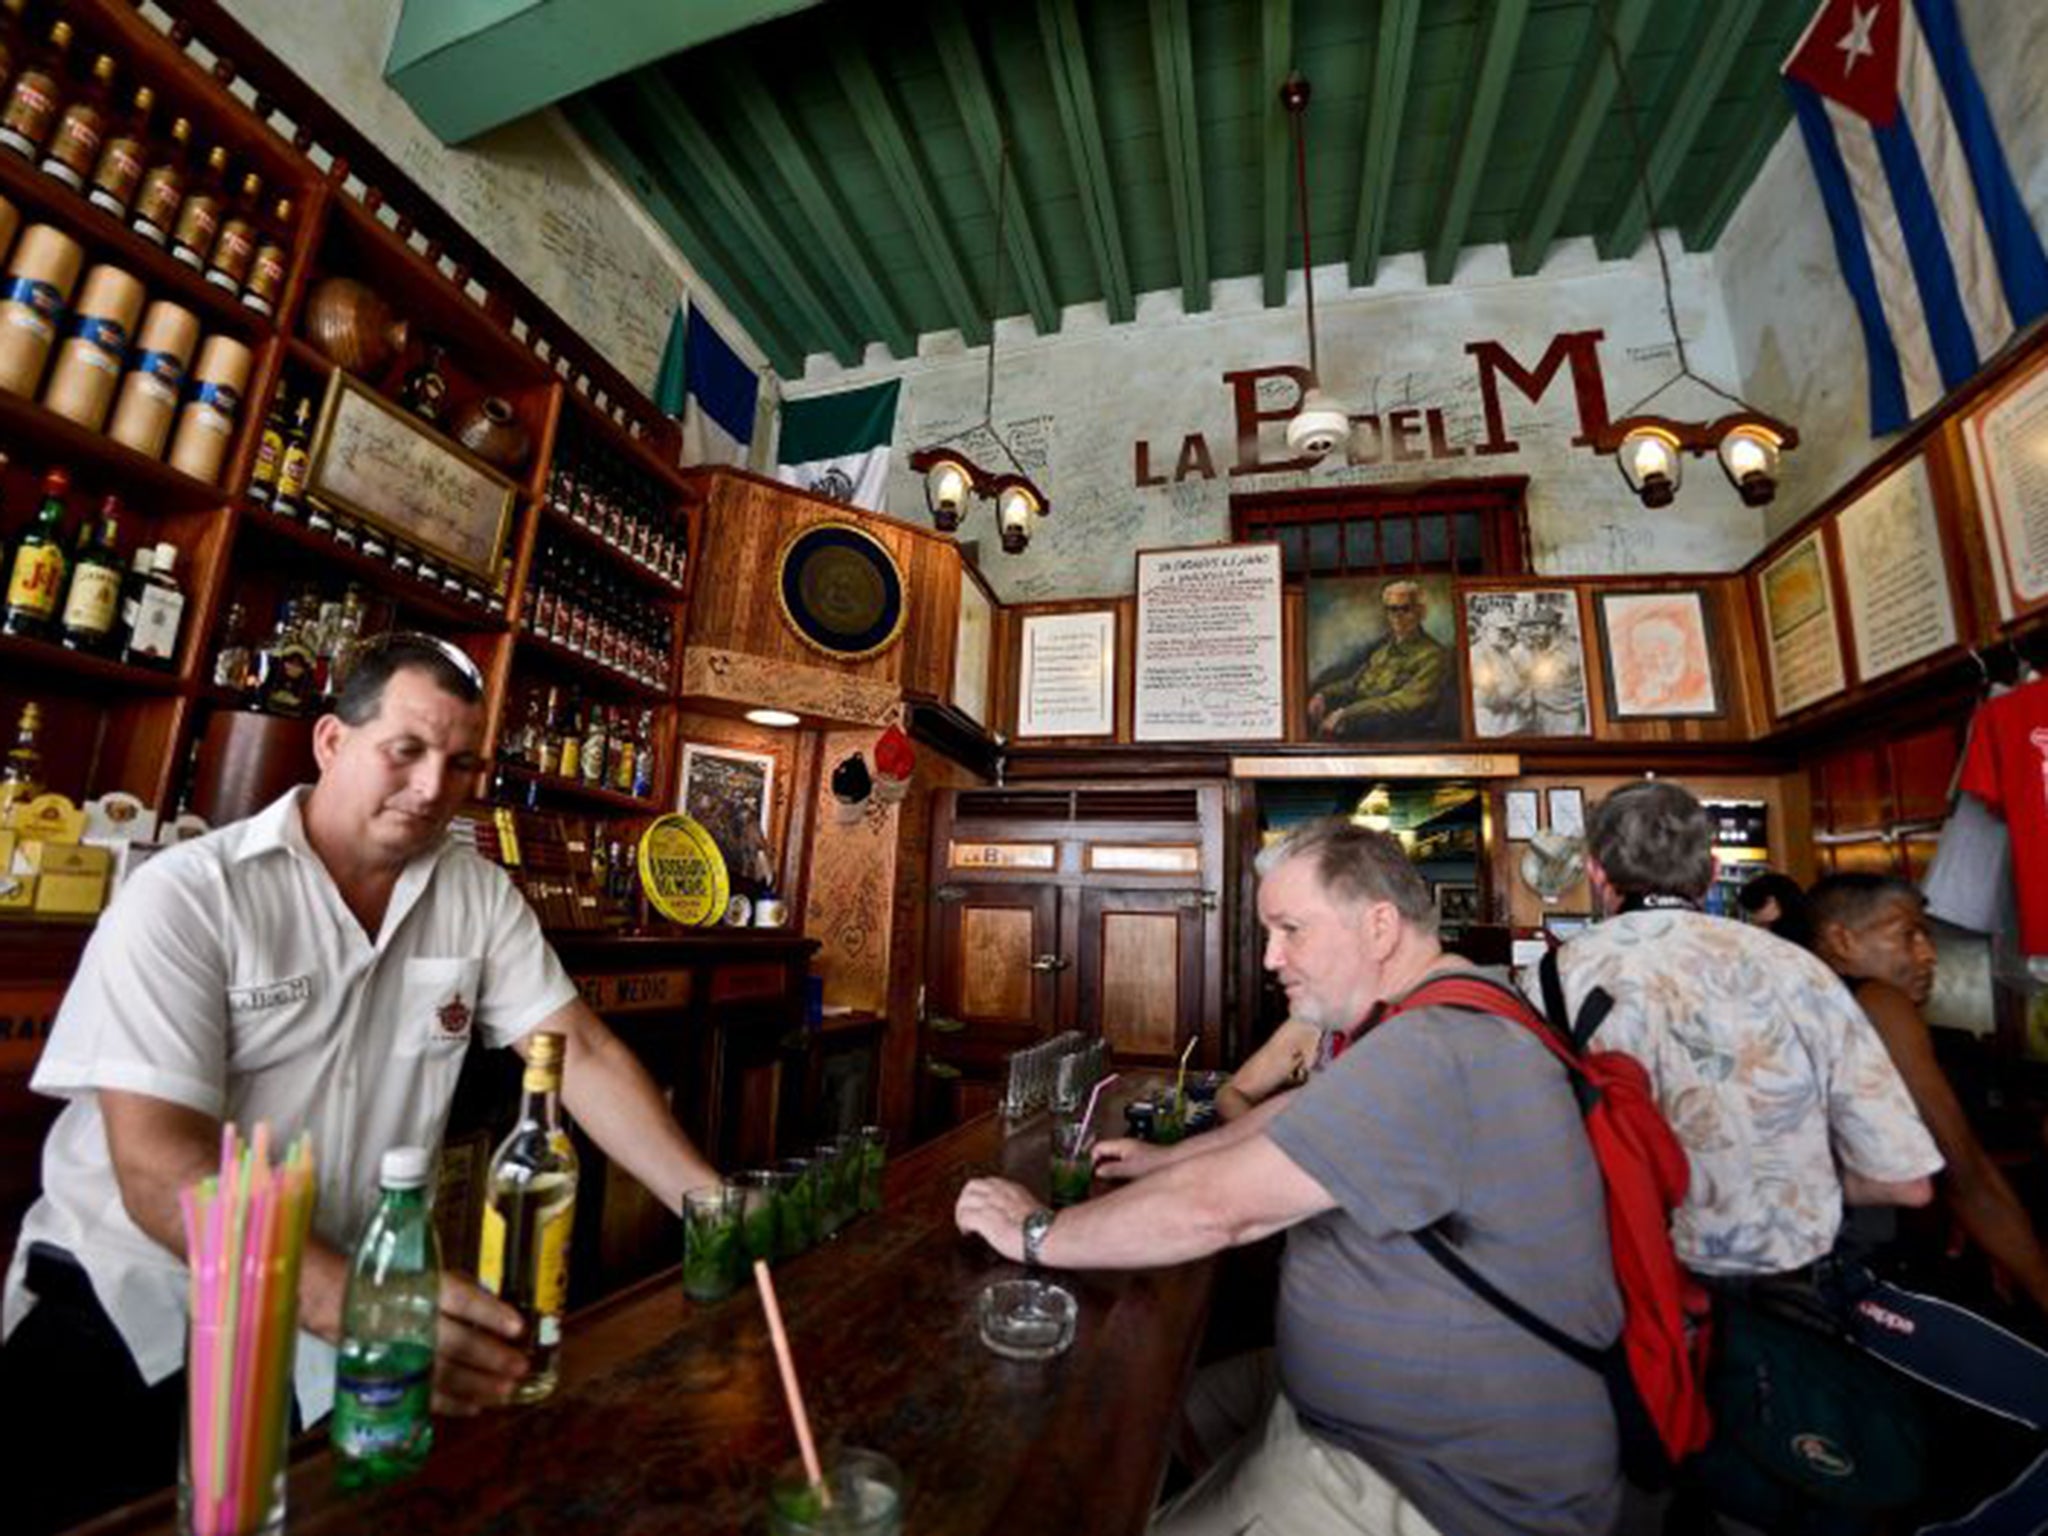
1036 1225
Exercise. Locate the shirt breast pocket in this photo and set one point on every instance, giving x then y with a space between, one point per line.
268 1018
438 1004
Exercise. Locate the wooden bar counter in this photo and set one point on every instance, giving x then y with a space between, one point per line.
670 1417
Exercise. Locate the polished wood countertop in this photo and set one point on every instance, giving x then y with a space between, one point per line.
670 1416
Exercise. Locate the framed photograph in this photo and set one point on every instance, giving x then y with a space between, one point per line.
1209 656
973 641
376 462
1658 652
1801 642
1568 812
1521 815
731 794
1067 674
2007 439
1527 663
1383 661
1457 903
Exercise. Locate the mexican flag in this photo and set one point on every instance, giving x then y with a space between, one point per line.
837 446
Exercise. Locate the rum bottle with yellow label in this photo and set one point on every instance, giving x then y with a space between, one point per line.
529 1209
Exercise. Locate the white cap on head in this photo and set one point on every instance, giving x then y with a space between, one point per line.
405 1168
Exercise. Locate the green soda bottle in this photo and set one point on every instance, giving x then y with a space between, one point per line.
384 1378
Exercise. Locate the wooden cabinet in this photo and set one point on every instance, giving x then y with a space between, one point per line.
1088 907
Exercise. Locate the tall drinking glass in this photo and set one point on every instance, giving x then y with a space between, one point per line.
797 1230
711 1242
758 1189
1073 1162
874 1153
828 1185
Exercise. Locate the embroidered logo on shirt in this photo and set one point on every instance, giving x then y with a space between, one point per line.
270 994
452 1018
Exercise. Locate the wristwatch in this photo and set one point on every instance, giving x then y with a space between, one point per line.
1036 1225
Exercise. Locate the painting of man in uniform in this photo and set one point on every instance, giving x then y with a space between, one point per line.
1659 655
1382 659
1528 664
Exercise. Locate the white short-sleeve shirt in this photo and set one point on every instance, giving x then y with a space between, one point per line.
230 977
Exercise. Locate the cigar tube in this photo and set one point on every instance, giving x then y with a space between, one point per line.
207 423
10 221
149 393
32 299
89 362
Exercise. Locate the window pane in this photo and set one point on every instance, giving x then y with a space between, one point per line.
1436 541
1291 550
1361 544
1397 535
1325 547
1471 543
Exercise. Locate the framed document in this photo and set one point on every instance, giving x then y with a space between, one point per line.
1209 655
1894 578
1567 811
973 641
2007 438
373 461
1658 652
1067 675
1521 805
1800 639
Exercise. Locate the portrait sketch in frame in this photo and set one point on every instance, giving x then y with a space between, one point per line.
1527 662
731 794
1657 650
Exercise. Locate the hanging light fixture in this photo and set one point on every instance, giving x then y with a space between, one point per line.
951 476
1651 449
1321 423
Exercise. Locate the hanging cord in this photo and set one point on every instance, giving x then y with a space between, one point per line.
1294 96
995 301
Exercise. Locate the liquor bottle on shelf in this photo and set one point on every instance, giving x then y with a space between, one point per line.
623 747
383 1383
285 681
425 390
569 740
31 110
529 1210
265 287
159 615
22 776
36 580
548 757
234 248
269 453
91 618
163 187
234 664
292 469
596 742
123 158
199 216
82 127
13 37
643 756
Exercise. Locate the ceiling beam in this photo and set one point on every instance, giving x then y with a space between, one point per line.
675 130
1593 88
1766 121
1713 45
1276 143
467 66
1173 68
1500 38
904 171
1393 58
819 205
977 106
1073 88
650 185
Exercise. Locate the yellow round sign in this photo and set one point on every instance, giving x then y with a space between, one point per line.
683 872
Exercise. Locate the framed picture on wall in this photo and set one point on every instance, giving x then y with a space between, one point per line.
1657 649
2007 439
1527 663
1383 659
731 794
1066 676
1801 642
1522 812
1568 812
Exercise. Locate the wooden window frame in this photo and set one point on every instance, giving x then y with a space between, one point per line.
1501 503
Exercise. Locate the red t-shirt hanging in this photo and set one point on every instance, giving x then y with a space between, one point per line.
2007 768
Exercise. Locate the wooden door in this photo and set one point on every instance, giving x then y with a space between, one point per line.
994 970
1139 954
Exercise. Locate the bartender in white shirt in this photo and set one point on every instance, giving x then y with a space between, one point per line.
321 965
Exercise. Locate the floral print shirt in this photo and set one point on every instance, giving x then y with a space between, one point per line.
1768 1071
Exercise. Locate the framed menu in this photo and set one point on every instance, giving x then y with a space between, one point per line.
1799 627
1067 675
1894 577
1209 660
2007 440
375 462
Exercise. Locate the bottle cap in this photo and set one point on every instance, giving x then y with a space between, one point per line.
404 1168
166 558
545 1049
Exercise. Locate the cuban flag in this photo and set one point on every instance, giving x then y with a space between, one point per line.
703 380
1934 242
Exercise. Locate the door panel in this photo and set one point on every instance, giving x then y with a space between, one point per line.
1140 961
995 970
996 979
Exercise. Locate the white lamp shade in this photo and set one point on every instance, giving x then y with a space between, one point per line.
1652 465
1749 454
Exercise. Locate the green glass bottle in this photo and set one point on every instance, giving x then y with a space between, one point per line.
91 620
35 582
384 1373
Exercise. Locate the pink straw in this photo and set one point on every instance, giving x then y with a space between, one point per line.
787 1366
1088 1115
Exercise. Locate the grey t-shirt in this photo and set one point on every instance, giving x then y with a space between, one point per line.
1451 1118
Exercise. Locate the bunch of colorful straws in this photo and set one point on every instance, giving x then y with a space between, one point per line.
244 1233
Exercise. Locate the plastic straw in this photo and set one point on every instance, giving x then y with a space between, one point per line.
1088 1115
787 1366
1181 1077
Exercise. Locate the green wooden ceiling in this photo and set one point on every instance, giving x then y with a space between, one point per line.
833 174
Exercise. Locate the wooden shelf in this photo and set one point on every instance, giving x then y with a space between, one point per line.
637 450
614 557
94 459
47 200
577 668
555 787
333 557
44 657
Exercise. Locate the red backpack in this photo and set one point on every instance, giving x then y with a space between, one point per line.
1655 1371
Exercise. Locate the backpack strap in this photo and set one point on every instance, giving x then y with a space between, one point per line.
1434 1244
1593 1010
1479 995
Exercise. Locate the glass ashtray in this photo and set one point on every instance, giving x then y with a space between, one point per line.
1027 1319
